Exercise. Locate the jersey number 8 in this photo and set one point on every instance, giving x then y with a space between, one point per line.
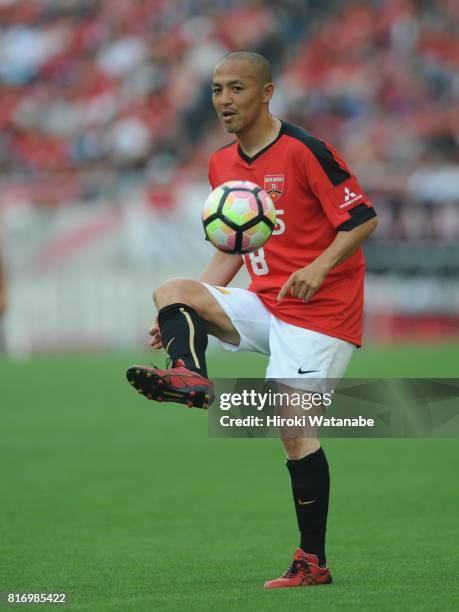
257 258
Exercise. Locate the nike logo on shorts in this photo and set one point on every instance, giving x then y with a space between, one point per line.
300 371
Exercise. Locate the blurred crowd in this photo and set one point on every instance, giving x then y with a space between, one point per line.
94 92
380 80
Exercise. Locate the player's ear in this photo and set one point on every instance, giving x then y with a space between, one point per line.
268 91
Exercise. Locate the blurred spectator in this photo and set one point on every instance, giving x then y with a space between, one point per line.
436 179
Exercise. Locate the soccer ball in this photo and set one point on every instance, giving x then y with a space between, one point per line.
238 217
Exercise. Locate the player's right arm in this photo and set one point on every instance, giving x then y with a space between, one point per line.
221 269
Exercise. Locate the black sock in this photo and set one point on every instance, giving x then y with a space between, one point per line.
311 487
184 336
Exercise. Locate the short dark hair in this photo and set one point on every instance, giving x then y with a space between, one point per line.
262 67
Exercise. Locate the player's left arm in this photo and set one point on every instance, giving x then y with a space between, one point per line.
304 283
347 208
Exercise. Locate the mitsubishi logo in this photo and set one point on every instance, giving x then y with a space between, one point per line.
350 197
348 194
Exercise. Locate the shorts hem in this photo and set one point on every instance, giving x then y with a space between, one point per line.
316 328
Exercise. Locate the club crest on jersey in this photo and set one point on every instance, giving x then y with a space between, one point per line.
274 186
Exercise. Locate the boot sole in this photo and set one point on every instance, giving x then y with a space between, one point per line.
155 387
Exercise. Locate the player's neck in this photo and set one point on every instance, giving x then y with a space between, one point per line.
259 135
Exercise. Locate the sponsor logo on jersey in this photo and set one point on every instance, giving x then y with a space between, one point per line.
349 197
274 185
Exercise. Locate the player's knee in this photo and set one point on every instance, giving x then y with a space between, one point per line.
297 448
176 290
170 292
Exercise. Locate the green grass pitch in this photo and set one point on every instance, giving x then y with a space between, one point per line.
128 505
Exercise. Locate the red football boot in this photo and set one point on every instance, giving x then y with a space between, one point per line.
176 384
303 571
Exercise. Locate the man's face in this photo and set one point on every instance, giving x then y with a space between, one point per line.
237 95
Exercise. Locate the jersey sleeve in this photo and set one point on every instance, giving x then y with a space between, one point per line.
211 174
336 188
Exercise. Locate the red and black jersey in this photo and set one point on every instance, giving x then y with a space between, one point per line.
316 196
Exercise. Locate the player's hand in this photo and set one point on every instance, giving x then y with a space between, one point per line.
155 341
304 283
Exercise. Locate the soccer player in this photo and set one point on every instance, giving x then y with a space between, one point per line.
304 304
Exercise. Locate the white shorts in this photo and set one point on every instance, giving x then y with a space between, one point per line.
301 358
